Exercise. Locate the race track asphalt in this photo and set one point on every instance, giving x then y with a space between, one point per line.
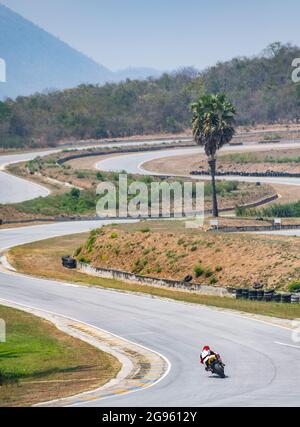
263 361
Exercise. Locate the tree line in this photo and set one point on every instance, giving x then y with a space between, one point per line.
260 87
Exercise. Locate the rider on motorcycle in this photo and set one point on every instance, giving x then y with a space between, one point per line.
206 354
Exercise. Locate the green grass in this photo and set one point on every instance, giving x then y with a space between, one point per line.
286 210
60 204
40 363
247 158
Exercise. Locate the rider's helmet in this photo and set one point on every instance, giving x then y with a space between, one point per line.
206 348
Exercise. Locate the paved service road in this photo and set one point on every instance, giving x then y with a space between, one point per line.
260 371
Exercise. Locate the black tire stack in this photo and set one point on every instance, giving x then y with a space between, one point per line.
239 293
276 297
260 295
245 294
253 295
268 295
295 299
286 298
69 262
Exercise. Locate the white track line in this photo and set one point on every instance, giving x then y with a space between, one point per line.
288 345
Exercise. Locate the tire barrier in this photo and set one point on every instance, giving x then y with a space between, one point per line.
239 293
266 295
260 295
69 262
245 294
286 298
252 295
269 174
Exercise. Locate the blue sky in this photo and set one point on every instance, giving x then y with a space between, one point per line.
165 34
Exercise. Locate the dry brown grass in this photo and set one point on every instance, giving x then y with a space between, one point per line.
170 251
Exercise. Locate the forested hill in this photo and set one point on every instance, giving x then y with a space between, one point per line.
261 87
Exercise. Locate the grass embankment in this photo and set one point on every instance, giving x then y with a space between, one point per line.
166 250
273 156
285 210
46 256
39 363
282 160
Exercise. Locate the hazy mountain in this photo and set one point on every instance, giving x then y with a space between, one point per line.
38 61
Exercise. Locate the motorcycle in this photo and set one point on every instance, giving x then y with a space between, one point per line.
216 366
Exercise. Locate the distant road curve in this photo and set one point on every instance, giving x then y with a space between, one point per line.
133 163
15 190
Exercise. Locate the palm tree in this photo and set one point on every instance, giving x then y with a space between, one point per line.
213 127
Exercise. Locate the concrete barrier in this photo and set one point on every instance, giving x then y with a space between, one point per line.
152 281
256 228
249 174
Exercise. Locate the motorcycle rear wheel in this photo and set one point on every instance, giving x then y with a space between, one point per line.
219 370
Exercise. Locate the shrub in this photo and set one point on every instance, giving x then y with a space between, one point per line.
198 270
219 269
84 260
114 235
208 273
75 193
294 287
145 230
77 251
213 280
80 175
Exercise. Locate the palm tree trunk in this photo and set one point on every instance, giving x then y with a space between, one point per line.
212 165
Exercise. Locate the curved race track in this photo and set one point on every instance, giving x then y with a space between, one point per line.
259 356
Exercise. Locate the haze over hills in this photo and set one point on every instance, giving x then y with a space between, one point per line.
37 61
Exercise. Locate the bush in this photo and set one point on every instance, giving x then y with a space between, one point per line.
77 251
84 260
145 230
114 235
208 273
213 280
294 287
75 193
198 270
